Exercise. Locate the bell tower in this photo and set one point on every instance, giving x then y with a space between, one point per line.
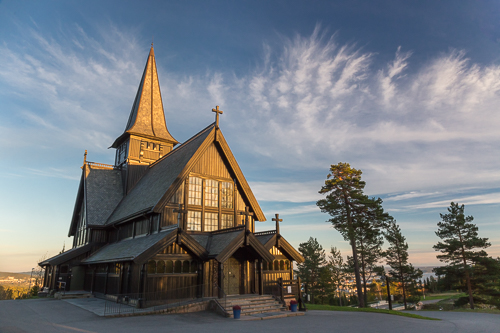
146 137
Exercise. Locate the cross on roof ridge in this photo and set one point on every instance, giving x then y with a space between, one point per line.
217 112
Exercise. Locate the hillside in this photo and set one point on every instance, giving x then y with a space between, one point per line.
4 275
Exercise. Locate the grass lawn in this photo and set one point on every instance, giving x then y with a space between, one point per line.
347 308
442 296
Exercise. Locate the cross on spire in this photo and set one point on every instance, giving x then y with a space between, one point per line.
277 220
217 112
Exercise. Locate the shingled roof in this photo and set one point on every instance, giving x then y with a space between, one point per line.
159 177
131 249
100 190
104 190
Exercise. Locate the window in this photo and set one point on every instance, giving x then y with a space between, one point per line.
227 221
160 267
115 268
169 267
178 266
211 193
226 195
152 267
195 186
211 221
194 267
185 266
194 221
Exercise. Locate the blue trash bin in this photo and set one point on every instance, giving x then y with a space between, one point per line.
293 307
236 313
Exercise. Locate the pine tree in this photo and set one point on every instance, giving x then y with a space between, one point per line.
460 243
348 206
312 269
397 258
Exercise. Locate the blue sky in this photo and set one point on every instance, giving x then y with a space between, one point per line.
408 92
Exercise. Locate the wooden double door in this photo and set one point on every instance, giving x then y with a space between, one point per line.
232 276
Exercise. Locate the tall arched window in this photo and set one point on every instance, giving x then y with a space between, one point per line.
282 265
194 266
152 267
185 266
160 267
178 266
169 267
276 265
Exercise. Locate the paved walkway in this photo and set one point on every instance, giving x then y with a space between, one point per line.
48 315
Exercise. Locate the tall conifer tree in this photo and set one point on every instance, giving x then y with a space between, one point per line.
348 206
397 258
461 244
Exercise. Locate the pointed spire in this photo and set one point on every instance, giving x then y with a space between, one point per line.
147 117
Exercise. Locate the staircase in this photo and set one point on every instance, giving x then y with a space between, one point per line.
251 304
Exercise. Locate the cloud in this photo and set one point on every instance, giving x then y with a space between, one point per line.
311 102
287 191
483 199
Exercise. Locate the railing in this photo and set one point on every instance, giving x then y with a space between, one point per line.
289 289
263 233
222 297
101 165
149 302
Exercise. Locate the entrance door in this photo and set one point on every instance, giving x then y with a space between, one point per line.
232 269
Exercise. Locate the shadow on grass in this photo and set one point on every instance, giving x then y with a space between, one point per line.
347 308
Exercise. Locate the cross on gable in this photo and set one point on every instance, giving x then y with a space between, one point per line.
277 220
182 211
217 112
247 213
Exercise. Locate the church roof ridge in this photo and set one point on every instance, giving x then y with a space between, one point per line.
147 117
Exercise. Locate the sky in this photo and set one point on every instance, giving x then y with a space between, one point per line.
408 92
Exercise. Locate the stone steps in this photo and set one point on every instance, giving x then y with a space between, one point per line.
72 295
251 305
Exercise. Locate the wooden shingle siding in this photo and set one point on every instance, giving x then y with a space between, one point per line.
135 148
211 164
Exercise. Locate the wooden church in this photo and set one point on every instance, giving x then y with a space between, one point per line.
168 217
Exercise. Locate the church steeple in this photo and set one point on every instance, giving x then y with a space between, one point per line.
146 124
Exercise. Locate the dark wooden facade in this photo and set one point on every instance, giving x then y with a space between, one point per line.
165 223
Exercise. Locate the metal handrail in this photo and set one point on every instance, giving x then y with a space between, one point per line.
137 302
221 292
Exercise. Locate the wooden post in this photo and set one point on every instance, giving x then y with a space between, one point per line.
280 285
261 276
200 281
220 279
388 292
120 278
106 280
92 282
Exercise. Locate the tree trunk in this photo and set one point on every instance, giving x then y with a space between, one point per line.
404 290
363 273
361 301
467 277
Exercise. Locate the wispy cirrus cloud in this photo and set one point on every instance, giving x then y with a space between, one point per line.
311 102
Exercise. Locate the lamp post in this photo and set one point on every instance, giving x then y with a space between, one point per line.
29 286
